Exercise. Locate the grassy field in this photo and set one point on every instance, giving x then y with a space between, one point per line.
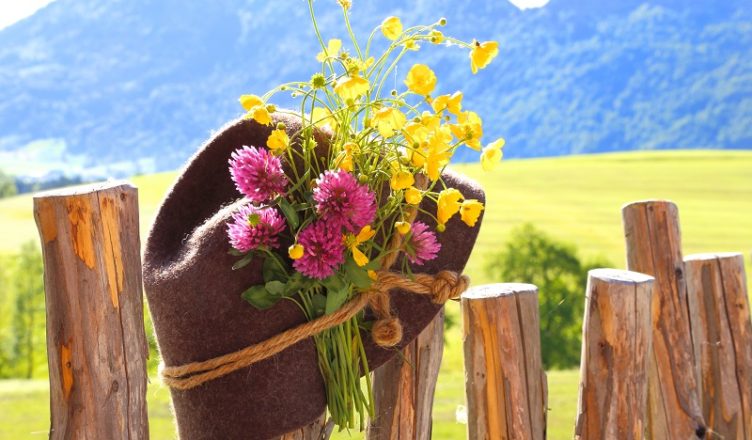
577 199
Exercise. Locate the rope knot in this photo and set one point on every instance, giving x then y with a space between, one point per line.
448 285
387 332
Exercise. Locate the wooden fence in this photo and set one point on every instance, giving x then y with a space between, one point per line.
666 345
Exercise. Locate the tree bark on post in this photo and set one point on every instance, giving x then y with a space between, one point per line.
96 344
505 383
404 387
723 341
616 336
653 240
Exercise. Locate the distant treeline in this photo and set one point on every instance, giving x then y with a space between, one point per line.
10 185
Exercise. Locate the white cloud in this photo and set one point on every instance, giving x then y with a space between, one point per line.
12 11
529 4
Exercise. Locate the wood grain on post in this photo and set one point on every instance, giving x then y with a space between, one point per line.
616 336
722 333
504 379
96 344
404 387
653 240
320 429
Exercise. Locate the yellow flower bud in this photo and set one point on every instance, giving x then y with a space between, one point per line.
373 275
402 227
295 251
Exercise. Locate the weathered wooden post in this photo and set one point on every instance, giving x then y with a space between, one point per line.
96 345
653 240
504 379
616 335
320 429
722 334
403 388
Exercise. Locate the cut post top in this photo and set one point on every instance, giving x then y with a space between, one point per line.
498 290
620 276
709 256
647 202
82 190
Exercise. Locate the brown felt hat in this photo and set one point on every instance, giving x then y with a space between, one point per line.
198 314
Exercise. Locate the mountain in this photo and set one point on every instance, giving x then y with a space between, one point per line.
135 85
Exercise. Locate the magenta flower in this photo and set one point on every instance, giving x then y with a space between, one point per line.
257 174
254 227
422 245
323 250
342 202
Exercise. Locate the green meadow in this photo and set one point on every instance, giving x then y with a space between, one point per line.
577 199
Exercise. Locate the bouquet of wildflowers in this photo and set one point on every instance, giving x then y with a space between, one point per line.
341 205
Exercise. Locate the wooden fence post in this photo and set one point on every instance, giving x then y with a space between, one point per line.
616 335
320 429
723 341
504 379
404 387
96 344
653 240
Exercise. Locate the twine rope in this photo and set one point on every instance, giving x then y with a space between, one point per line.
386 330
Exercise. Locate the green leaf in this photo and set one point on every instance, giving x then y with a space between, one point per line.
290 214
276 288
271 270
357 275
335 299
319 304
333 282
234 252
243 262
295 284
259 297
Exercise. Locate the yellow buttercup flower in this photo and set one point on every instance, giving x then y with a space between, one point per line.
413 195
260 114
401 180
250 101
322 117
411 44
452 103
295 251
421 79
391 27
492 154
353 241
447 205
469 129
332 49
278 141
482 54
470 211
351 87
387 120
402 227
436 37
344 159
